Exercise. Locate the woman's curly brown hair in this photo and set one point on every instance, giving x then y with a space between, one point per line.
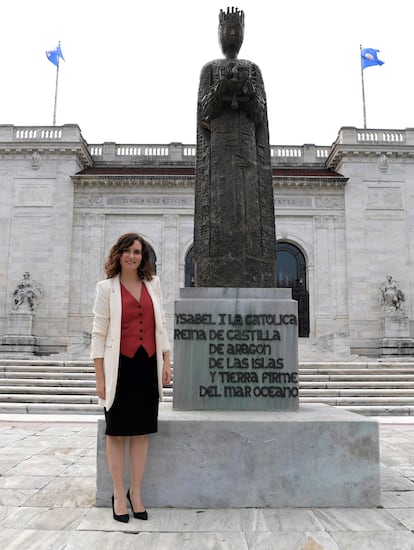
145 270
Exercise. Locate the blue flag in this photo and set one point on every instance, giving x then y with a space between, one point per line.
369 58
54 55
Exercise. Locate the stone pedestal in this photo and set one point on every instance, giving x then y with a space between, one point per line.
236 349
396 332
235 436
19 338
318 456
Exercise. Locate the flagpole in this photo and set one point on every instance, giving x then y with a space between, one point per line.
56 93
56 87
363 90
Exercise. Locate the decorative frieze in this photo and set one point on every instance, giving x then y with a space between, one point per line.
92 199
100 200
292 202
164 200
326 201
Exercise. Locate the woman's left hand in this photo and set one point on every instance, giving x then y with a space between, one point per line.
166 374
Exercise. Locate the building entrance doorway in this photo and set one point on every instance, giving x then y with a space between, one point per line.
291 273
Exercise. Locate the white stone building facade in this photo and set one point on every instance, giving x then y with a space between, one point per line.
343 213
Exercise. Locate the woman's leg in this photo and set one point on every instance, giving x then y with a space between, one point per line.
115 451
138 450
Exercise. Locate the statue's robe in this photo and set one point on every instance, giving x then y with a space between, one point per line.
234 234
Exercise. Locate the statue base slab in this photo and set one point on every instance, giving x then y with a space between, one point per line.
18 345
396 332
19 338
318 456
395 324
20 324
397 346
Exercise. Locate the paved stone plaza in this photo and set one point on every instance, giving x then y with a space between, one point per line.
48 486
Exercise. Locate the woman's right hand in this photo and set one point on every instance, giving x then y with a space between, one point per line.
100 377
100 389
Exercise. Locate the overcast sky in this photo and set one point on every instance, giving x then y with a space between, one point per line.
131 67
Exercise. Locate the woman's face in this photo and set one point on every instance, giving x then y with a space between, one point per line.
131 257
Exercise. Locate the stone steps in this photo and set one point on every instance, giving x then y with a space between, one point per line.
321 384
68 387
30 392
358 393
49 398
46 390
50 408
50 387
45 382
343 374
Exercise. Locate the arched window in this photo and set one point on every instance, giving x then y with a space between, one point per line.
291 273
189 268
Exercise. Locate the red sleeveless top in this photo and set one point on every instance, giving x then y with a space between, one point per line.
137 323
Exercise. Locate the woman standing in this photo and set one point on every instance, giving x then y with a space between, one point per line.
130 350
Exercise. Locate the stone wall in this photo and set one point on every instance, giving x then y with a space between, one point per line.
348 208
36 222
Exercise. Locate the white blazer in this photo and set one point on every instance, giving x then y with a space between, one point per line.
106 331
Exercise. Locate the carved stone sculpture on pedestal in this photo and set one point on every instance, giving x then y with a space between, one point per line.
234 225
392 295
26 298
396 340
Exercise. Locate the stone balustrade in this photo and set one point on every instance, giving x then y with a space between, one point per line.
354 136
179 153
18 134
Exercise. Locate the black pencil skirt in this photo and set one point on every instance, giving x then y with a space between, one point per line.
135 407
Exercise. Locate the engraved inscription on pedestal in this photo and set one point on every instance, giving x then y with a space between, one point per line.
235 349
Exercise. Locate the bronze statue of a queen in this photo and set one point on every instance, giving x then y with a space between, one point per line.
234 234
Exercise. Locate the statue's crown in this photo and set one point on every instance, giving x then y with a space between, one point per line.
233 15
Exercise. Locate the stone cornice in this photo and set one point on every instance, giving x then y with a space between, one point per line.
308 182
44 149
367 154
177 182
368 151
133 181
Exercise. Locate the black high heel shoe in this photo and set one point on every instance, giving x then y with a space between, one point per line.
137 515
121 517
